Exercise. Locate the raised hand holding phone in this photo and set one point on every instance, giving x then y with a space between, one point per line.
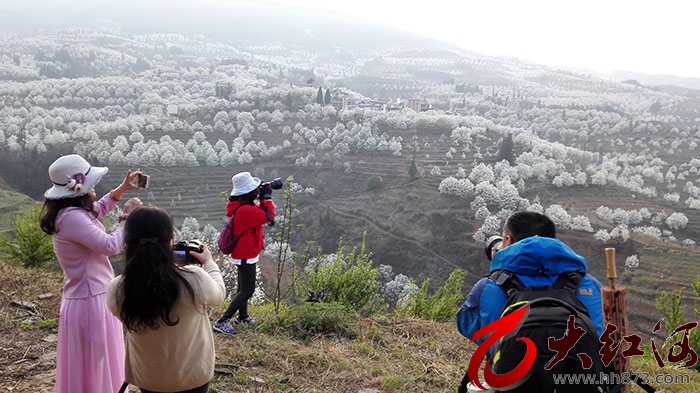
143 181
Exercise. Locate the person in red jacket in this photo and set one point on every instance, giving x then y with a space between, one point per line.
251 202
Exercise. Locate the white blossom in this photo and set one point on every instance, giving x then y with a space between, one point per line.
677 221
632 262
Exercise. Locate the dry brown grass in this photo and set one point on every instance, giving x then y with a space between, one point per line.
28 353
390 354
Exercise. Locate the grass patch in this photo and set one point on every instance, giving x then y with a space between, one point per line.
669 378
309 319
389 354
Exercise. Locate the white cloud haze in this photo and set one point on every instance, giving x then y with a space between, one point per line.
604 36
597 35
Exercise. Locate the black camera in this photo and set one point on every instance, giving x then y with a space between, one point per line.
493 243
182 249
275 183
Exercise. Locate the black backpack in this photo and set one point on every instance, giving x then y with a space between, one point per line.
550 308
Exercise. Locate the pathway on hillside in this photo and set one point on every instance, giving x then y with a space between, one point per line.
394 235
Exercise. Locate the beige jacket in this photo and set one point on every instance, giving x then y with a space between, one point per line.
180 357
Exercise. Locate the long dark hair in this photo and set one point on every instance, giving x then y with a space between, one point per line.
52 207
151 281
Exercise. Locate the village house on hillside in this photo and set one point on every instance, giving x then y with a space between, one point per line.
172 112
343 99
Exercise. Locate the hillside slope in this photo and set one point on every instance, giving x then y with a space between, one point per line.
577 143
390 354
11 202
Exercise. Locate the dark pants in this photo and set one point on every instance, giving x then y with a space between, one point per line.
202 389
246 288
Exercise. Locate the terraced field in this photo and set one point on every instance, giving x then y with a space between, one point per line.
410 225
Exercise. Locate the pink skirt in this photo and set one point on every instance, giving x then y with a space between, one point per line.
90 350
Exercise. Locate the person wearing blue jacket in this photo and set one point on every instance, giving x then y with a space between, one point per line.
531 251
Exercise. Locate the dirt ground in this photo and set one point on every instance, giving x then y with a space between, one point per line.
28 351
27 361
28 348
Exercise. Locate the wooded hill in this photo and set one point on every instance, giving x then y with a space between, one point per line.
613 163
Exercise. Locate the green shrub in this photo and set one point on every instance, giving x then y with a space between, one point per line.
669 304
289 264
350 279
31 246
309 319
27 324
442 305
393 382
374 183
413 171
44 324
48 324
671 307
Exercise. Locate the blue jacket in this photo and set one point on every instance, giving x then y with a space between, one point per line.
537 261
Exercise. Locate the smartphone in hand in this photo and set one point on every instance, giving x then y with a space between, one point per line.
143 181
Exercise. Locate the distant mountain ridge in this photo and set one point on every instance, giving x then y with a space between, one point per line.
237 23
242 24
656 79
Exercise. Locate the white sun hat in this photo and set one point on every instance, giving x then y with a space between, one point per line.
72 177
244 183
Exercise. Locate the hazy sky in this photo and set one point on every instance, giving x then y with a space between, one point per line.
600 35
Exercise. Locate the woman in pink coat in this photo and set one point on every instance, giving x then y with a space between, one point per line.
90 352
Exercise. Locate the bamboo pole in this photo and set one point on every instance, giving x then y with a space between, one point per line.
615 313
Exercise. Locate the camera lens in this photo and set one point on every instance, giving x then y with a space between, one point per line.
276 183
492 243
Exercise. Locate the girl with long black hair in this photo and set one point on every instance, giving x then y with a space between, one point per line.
163 306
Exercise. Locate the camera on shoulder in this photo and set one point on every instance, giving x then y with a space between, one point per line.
182 248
